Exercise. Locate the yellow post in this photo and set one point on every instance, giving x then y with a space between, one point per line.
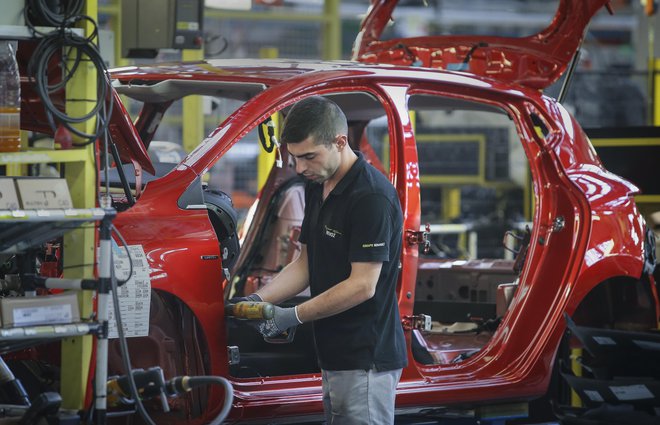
332 33
451 202
269 52
265 160
79 244
656 93
193 115
113 11
576 368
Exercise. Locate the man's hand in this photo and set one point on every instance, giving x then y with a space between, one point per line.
283 320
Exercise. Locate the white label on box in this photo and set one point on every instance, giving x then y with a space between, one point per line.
134 295
50 314
8 197
604 340
631 392
44 193
593 395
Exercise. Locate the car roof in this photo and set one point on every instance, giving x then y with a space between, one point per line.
243 78
268 71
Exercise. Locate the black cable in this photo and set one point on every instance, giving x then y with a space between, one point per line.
126 359
128 254
43 11
51 45
76 49
468 56
79 265
218 52
266 133
175 385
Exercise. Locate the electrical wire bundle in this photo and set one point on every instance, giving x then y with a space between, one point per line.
75 50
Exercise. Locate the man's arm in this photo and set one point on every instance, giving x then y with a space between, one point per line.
359 287
288 283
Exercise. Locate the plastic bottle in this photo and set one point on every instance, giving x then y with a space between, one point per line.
10 98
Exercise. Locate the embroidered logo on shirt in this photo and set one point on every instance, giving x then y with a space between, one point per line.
373 245
331 232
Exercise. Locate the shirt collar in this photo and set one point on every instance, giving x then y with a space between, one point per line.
351 174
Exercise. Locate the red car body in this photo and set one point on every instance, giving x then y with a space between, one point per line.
588 240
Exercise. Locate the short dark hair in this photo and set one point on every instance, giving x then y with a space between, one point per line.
314 116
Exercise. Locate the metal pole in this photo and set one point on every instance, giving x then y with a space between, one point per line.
105 262
569 76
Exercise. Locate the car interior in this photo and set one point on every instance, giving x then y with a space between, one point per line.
465 280
464 298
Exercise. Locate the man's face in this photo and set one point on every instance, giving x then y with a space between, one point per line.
315 162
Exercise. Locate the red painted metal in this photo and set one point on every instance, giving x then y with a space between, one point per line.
562 267
535 61
602 235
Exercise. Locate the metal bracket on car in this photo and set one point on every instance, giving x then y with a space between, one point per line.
419 237
233 355
418 321
225 272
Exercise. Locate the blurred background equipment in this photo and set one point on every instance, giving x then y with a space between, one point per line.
149 25
10 98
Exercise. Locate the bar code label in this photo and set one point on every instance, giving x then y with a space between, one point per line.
50 314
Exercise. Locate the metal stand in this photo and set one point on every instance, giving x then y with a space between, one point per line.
104 285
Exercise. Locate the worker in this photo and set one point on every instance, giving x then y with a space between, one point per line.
351 241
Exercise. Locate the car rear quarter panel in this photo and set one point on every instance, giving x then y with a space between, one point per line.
184 257
616 228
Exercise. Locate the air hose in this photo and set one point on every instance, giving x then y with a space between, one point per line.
182 384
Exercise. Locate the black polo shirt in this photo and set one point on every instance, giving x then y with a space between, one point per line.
360 221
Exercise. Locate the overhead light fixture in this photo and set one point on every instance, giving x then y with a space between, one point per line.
229 4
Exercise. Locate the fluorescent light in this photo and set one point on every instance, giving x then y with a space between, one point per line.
229 4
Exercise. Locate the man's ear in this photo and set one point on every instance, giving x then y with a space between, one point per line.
342 141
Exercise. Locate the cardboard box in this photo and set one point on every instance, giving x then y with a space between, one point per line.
39 310
43 193
8 196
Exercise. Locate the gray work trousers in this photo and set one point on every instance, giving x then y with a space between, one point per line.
359 397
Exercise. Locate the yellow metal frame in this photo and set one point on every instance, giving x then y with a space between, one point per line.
656 92
193 115
576 368
79 245
480 178
640 141
266 160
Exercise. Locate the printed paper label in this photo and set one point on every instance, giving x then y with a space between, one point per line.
604 340
593 395
50 314
631 392
134 296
